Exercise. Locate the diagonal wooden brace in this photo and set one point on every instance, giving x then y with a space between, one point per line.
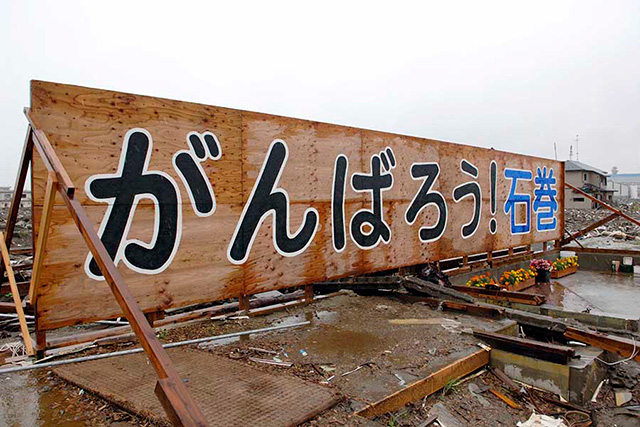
16 296
45 221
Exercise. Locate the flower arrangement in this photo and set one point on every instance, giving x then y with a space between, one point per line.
564 263
513 277
541 265
482 280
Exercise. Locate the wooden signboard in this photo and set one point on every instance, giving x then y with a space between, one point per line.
198 203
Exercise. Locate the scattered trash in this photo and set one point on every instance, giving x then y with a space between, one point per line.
400 380
622 397
303 352
475 391
382 307
327 368
262 350
595 394
237 317
271 362
539 420
357 369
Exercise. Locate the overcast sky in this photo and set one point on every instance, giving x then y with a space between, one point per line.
494 74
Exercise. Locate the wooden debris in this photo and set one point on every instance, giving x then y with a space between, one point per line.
478 309
517 297
428 421
508 382
621 346
421 287
539 350
271 362
505 399
427 386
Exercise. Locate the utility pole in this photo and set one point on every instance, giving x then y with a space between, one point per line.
577 150
571 152
555 149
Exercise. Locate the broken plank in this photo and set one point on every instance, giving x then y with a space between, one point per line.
416 285
519 297
527 347
621 346
428 385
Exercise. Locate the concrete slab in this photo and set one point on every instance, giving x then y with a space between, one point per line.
575 382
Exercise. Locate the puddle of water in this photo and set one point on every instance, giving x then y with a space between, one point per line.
29 400
603 293
315 317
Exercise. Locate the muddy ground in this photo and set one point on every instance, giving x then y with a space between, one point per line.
346 332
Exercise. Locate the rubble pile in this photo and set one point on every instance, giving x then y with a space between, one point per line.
22 231
620 229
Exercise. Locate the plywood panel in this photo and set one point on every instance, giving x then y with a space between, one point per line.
89 129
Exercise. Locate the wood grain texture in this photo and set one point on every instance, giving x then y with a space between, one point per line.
87 128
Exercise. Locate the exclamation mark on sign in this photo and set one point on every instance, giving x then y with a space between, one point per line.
493 224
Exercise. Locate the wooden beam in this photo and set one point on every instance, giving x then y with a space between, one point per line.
418 286
519 297
49 157
587 229
43 233
539 350
621 346
16 296
18 189
427 386
145 333
23 287
603 204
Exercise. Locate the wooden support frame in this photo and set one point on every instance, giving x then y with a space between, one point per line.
171 391
16 296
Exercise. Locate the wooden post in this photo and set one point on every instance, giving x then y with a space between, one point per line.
47 211
16 296
18 189
308 293
243 303
41 335
510 252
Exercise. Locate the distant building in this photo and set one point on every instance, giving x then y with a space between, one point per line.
6 194
625 185
588 179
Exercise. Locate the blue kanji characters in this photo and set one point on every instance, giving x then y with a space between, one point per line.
518 198
545 204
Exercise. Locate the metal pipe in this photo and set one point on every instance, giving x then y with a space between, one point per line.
139 350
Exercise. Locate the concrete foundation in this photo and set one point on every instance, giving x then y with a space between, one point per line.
575 382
